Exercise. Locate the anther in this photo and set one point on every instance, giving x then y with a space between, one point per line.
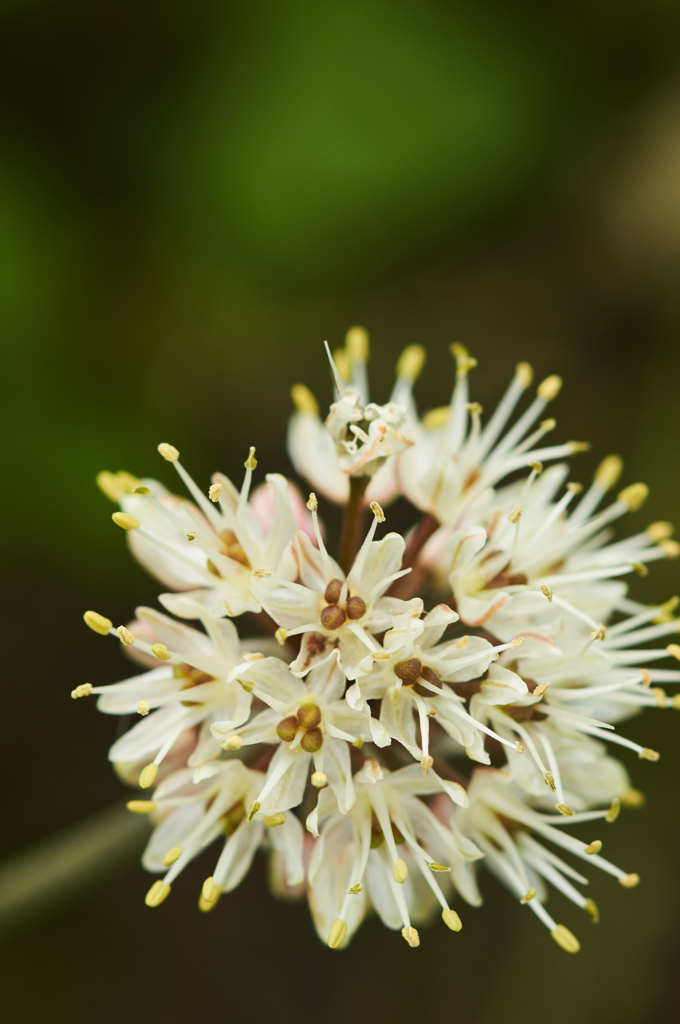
304 400
332 616
125 636
84 690
232 743
564 809
629 881
377 511
355 889
97 623
172 855
337 933
634 496
287 729
646 754
168 451
435 866
646 677
674 651
566 939
529 895
141 806
312 741
593 847
608 472
158 892
590 907
251 461
214 492
464 361
632 798
308 716
400 870
546 591
332 592
659 531
274 820
411 362
319 780
355 607
143 708
411 936
451 919
550 388
281 635
161 652
613 812
356 342
312 502
525 373
125 520
148 774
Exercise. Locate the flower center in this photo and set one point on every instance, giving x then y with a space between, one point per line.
334 615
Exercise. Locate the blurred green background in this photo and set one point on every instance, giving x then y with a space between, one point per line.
194 196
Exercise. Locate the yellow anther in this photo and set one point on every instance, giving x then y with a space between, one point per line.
97 623
463 642
564 809
629 881
593 847
141 489
253 810
646 754
665 612
158 892
232 743
161 652
142 708
411 936
566 939
517 641
400 870
273 820
515 515
548 425
659 531
550 780
646 677
599 633
281 635
676 702
141 806
578 446
435 418
84 690
671 548
659 696
411 362
435 866
550 388
168 451
319 780
613 812
377 511
640 568
190 535
337 933
341 360
214 492
464 361
546 591
632 798
574 488
525 374
474 408
529 895
355 889
590 907
356 343
540 689
426 763
304 400
148 774
451 919
537 467
125 521
251 461
634 496
115 485
125 636
608 472
173 854
674 651
312 502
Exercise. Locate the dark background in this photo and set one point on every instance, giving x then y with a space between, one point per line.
194 196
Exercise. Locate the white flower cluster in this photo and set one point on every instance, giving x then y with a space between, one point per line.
420 706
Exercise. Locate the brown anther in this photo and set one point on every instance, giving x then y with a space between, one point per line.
308 716
332 616
356 608
408 671
332 592
312 741
287 728
430 676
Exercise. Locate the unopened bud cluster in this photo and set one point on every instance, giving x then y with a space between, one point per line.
389 718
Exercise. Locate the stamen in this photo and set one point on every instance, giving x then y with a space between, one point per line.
97 623
125 521
84 690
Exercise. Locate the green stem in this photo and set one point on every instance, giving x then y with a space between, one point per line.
352 523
